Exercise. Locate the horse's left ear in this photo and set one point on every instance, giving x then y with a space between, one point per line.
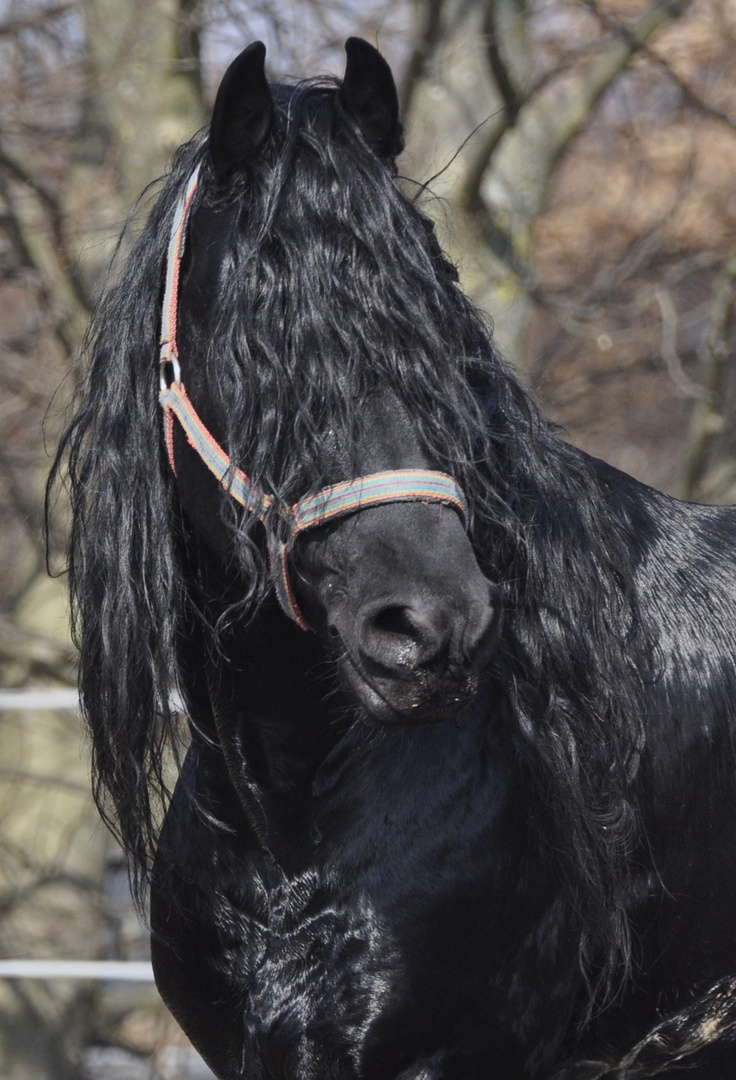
368 94
243 111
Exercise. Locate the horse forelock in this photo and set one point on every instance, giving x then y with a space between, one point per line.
332 285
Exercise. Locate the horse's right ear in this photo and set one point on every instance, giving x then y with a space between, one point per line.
241 118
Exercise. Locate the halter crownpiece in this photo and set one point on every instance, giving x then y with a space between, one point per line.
402 485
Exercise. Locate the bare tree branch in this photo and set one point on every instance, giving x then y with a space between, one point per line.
426 44
587 90
13 27
68 315
691 97
708 418
37 654
571 115
670 321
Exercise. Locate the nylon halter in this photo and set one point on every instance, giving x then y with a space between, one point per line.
402 485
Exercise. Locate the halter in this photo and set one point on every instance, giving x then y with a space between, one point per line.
402 485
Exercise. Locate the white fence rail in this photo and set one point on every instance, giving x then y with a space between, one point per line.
104 970
67 699
100 1062
25 700
64 698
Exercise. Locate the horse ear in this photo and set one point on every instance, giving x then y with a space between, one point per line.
241 118
368 94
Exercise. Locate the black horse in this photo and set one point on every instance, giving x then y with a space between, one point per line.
479 821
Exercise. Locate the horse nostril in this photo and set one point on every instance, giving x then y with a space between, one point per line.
439 638
397 636
395 621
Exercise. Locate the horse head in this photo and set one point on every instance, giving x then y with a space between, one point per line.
389 581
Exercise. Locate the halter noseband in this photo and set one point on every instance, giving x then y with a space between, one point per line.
402 485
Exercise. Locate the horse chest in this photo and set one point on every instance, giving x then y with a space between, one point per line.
338 977
314 980
388 948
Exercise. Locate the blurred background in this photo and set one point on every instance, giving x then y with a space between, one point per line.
580 162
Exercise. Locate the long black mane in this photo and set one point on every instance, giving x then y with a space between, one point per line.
332 284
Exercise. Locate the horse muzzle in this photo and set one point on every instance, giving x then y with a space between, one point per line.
418 659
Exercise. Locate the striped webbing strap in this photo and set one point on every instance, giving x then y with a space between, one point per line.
402 485
176 403
170 309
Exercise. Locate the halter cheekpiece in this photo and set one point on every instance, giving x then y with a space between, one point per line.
402 485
